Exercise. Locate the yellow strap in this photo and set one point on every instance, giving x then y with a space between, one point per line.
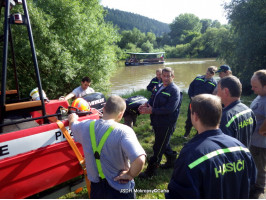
77 153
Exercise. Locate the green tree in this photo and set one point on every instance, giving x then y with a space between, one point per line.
134 36
72 40
182 26
130 47
135 40
147 47
206 23
248 38
216 24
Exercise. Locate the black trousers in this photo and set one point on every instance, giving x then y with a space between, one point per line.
162 143
102 190
188 125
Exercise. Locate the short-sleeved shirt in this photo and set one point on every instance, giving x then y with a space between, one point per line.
120 149
238 121
79 92
259 108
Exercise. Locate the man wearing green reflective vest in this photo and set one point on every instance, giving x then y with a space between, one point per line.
108 148
155 81
200 85
238 120
212 165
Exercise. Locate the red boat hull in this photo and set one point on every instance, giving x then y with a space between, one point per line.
36 159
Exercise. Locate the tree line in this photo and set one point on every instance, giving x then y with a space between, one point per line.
188 37
128 21
241 44
73 39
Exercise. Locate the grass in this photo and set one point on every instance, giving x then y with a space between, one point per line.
145 135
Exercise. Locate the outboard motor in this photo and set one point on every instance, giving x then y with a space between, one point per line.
131 113
95 100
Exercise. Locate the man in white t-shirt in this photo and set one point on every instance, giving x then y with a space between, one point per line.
80 91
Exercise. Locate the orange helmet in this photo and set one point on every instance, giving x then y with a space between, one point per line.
81 104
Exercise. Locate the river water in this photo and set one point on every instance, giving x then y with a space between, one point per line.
133 78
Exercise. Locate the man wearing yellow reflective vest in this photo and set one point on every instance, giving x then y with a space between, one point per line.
238 120
200 85
163 107
108 147
212 165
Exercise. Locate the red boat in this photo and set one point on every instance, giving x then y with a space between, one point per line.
34 154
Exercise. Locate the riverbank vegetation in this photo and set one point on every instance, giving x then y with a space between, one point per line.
145 135
241 43
73 40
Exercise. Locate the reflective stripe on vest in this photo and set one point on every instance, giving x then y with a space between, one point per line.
97 149
155 82
216 153
199 79
166 93
135 101
236 116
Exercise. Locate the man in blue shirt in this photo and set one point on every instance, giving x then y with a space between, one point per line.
238 120
200 85
155 81
212 165
163 107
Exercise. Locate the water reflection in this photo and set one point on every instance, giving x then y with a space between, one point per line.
133 78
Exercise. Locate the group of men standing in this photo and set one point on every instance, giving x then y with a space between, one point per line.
216 163
245 124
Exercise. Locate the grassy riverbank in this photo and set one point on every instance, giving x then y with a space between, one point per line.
147 188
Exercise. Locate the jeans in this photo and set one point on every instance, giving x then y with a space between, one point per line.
259 156
102 190
188 125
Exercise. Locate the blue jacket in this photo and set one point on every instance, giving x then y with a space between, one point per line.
200 85
214 166
238 121
155 81
165 105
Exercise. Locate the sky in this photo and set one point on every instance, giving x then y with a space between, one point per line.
167 10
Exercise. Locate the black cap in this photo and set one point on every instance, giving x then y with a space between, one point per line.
223 68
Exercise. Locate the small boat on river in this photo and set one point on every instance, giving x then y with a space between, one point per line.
145 59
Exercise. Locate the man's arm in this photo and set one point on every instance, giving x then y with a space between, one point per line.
191 89
72 118
262 129
134 170
69 96
151 85
145 109
171 105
